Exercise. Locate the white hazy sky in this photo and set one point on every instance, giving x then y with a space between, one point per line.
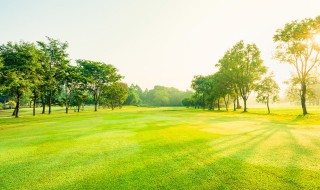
151 42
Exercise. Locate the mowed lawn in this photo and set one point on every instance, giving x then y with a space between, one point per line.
161 148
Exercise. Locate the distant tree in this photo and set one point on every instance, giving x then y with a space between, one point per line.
200 84
115 94
20 63
187 102
134 97
55 61
297 45
267 91
98 76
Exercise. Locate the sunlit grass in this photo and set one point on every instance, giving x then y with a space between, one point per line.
167 148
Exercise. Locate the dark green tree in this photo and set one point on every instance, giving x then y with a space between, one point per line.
20 65
55 61
115 94
98 76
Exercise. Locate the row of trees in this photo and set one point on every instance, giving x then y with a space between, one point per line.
241 70
158 96
42 72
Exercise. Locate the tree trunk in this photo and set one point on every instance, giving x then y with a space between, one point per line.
14 111
43 102
112 106
245 104
268 105
79 107
50 101
219 104
34 105
213 106
17 107
203 103
67 107
238 103
234 104
95 97
226 102
95 105
303 98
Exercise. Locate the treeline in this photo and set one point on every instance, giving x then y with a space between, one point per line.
42 73
241 71
158 96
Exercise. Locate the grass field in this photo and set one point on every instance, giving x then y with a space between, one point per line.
161 148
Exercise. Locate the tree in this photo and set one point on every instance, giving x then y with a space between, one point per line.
115 94
297 45
266 90
20 64
187 102
201 85
294 92
134 97
74 87
98 76
244 67
54 64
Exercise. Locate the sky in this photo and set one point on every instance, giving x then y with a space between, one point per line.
155 42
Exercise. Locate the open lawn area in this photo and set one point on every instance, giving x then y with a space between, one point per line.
160 148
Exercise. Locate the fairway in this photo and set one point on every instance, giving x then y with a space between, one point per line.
160 148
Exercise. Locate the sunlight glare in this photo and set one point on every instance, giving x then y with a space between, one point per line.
317 38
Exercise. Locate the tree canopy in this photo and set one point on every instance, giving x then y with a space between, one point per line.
297 46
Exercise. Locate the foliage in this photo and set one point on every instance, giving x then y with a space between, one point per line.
293 92
115 94
135 95
54 65
296 45
98 76
187 102
267 90
243 68
165 96
20 65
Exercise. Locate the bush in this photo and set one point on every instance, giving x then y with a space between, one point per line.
11 104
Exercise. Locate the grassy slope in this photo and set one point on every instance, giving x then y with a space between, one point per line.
168 148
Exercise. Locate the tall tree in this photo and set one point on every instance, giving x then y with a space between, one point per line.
297 45
20 63
201 85
243 65
99 76
54 64
74 86
267 91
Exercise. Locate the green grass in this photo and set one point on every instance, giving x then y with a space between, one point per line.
160 148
